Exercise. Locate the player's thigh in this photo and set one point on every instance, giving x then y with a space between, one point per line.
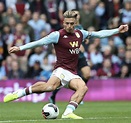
53 82
77 84
85 71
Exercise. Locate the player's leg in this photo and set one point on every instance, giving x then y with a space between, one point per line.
83 69
38 87
85 73
80 90
53 96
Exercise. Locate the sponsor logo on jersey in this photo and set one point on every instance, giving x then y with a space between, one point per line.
74 44
74 51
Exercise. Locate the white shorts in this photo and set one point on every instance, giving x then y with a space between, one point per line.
64 75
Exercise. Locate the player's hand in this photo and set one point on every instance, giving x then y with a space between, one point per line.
123 28
82 48
14 49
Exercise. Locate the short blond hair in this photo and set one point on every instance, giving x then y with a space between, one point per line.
70 14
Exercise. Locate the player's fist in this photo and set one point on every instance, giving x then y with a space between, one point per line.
14 49
123 28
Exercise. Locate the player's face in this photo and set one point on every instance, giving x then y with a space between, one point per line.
69 24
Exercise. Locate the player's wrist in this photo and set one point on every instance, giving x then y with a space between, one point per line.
20 48
117 30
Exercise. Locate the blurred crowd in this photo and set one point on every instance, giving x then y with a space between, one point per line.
24 21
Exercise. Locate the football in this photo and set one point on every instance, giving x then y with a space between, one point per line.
50 111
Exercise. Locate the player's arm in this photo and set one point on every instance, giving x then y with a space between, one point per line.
51 38
107 33
104 33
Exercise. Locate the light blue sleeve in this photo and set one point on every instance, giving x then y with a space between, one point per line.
99 34
104 33
51 38
85 34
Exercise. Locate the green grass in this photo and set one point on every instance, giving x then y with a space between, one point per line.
92 112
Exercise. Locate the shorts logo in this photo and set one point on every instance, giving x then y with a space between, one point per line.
62 76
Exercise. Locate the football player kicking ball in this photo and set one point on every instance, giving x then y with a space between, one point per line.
66 43
82 67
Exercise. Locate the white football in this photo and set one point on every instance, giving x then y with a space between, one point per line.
50 111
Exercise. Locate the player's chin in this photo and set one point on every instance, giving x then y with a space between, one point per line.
70 31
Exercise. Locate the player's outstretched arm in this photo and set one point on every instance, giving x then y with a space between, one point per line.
107 33
51 38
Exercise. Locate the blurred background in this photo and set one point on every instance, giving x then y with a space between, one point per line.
24 21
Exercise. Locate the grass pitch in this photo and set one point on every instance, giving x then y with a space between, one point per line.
92 112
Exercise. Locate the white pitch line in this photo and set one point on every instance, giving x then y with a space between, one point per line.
89 118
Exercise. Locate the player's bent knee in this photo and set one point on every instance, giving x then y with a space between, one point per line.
50 88
86 72
85 89
86 75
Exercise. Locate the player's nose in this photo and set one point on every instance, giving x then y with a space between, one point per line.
69 25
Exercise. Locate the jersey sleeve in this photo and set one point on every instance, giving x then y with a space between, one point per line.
99 34
51 38
104 33
85 34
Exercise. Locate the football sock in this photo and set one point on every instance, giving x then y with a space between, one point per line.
28 90
52 97
54 93
23 92
20 93
70 107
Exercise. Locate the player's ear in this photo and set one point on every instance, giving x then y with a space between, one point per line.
75 24
63 22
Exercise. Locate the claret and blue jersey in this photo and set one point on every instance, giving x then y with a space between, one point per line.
67 45
67 49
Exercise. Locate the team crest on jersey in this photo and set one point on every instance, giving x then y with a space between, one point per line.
77 35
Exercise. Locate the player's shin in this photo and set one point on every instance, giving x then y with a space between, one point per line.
70 107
